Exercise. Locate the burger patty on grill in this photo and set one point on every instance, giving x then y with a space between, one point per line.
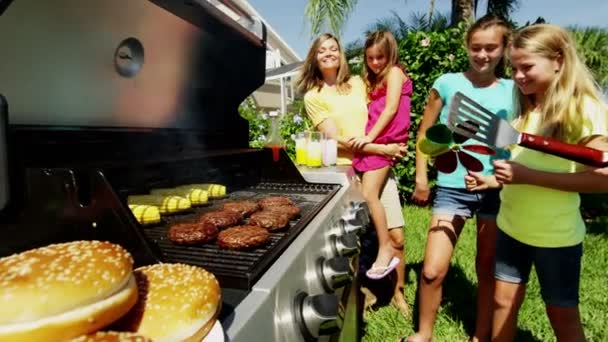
274 201
243 237
190 233
270 220
290 210
243 208
221 219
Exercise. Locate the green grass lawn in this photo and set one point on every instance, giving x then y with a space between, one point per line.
456 318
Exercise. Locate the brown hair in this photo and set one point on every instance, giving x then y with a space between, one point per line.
311 76
490 21
387 42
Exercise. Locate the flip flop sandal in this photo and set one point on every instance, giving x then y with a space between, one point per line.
371 274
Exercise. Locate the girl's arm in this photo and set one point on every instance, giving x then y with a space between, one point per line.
592 180
328 126
394 84
431 113
474 181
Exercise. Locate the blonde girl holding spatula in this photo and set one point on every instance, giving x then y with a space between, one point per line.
486 42
539 220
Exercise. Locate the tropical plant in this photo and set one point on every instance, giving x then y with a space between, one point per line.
503 8
332 14
463 10
400 28
592 47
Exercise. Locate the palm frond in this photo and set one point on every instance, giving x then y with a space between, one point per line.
328 15
503 8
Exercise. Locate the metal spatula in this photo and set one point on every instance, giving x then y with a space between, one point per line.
469 118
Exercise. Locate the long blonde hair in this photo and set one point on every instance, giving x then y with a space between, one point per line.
311 76
566 96
388 44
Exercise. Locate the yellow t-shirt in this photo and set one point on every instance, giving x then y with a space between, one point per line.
348 111
540 216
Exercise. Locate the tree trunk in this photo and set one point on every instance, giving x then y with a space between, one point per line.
463 10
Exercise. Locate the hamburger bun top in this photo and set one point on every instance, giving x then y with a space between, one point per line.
177 302
57 278
112 336
61 291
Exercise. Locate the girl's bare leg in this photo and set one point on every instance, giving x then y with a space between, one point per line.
397 242
507 301
566 323
371 185
441 240
484 265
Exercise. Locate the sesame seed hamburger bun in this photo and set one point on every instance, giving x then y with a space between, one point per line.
177 302
112 336
64 290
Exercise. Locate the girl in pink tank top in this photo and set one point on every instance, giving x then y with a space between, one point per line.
389 91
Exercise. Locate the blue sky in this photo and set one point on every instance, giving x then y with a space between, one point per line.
287 16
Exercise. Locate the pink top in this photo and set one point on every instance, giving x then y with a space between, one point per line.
395 132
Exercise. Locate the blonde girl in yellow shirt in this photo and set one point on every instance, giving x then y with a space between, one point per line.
539 219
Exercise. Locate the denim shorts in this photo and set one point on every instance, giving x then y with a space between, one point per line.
558 269
464 203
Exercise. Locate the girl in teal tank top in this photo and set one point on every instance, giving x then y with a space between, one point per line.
486 41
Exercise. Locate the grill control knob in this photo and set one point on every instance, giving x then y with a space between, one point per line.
346 244
334 273
352 225
316 315
359 210
356 204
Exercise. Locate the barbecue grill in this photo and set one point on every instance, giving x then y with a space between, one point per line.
107 99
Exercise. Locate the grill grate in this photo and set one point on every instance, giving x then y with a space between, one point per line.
241 269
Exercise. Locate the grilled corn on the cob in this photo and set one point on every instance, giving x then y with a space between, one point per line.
166 204
214 190
196 196
145 214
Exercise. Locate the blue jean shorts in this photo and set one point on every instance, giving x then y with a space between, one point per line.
558 269
464 203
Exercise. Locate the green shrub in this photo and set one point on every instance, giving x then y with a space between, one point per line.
291 123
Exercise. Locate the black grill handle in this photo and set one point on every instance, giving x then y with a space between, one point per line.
4 183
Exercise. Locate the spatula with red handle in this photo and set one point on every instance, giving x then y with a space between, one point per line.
469 118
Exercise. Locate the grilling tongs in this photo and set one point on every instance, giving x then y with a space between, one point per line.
470 119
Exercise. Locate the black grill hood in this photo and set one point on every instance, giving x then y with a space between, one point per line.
126 64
